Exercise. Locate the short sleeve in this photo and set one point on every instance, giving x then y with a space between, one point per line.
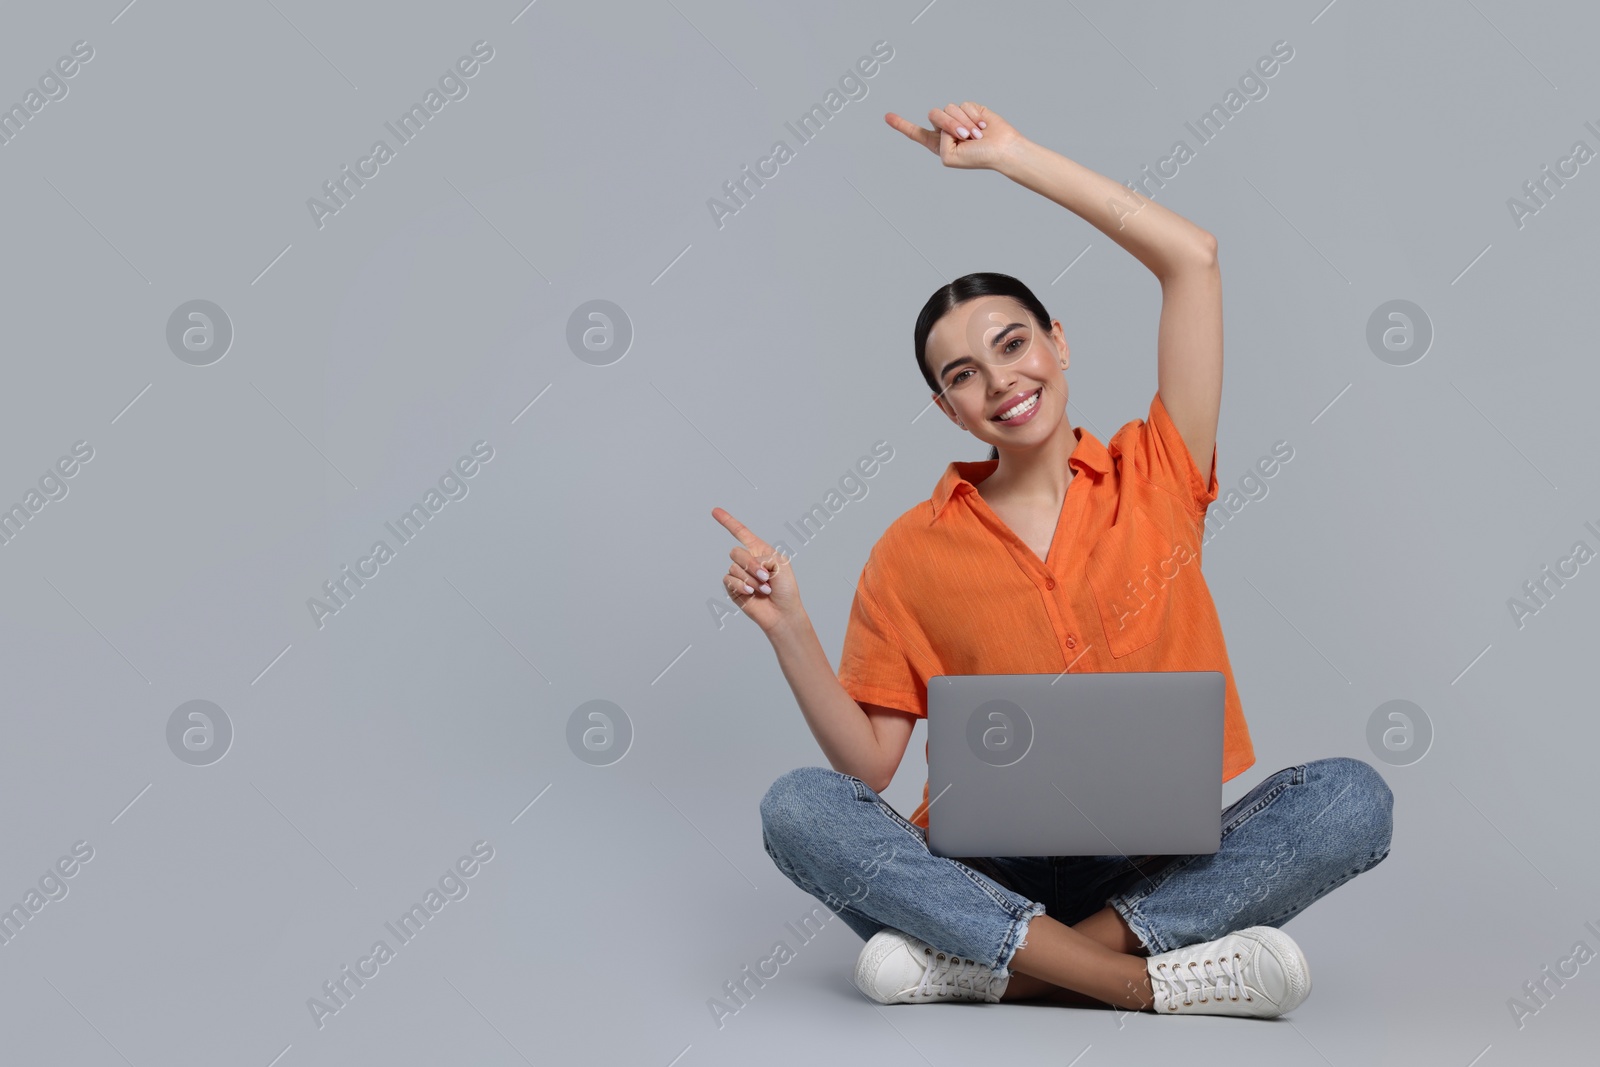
1162 458
881 646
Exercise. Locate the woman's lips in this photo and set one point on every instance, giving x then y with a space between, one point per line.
1017 420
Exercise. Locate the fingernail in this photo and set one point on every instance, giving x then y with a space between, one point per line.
747 589
979 133
982 125
962 130
761 572
766 589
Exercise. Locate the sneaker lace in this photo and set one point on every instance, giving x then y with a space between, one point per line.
1217 978
945 974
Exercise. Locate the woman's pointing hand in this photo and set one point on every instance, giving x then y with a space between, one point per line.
772 601
967 136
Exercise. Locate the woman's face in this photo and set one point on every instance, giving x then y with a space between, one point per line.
986 354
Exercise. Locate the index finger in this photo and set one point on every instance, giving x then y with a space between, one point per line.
928 139
740 530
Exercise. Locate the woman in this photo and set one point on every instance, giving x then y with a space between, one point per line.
1027 563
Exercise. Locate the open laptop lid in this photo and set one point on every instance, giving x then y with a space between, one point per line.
1075 764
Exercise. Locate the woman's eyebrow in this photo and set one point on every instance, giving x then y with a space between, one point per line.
1001 336
954 363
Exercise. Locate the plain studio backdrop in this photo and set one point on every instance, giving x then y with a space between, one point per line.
538 681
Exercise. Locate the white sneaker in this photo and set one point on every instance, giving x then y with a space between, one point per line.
1258 971
896 968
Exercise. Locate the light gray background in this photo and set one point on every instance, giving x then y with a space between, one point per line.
768 356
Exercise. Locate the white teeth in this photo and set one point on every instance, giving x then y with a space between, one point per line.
1021 409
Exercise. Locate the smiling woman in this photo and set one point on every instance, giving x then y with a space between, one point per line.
1007 343
1058 553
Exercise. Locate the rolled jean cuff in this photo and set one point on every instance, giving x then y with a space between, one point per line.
1141 926
1016 937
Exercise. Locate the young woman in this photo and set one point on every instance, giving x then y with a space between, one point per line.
1057 553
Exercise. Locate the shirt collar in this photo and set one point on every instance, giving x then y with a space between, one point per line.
959 476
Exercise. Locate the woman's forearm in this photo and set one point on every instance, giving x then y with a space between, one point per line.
839 724
1162 240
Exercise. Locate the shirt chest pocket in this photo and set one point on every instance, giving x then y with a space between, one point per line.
1124 572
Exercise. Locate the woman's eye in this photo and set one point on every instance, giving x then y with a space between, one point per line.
1013 341
957 379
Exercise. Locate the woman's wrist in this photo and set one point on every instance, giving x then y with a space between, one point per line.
1011 161
792 632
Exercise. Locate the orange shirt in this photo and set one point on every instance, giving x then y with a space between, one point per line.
950 589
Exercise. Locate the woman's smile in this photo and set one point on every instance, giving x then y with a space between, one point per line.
1023 411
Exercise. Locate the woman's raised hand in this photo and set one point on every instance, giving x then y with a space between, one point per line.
968 136
780 604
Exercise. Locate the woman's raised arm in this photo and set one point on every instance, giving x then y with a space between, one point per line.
971 137
1181 255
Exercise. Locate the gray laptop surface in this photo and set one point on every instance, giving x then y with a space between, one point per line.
1075 764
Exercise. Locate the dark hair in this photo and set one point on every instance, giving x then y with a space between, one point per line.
946 297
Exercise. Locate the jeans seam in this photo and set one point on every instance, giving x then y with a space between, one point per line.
915 832
1020 916
899 820
1268 797
863 793
1130 898
972 876
1318 894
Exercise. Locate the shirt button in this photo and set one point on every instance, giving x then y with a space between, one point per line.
1071 643
1049 583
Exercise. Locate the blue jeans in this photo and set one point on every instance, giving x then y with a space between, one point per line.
1292 839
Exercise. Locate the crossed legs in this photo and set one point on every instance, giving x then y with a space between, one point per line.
1099 956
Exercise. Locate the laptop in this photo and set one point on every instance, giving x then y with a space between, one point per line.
1075 764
